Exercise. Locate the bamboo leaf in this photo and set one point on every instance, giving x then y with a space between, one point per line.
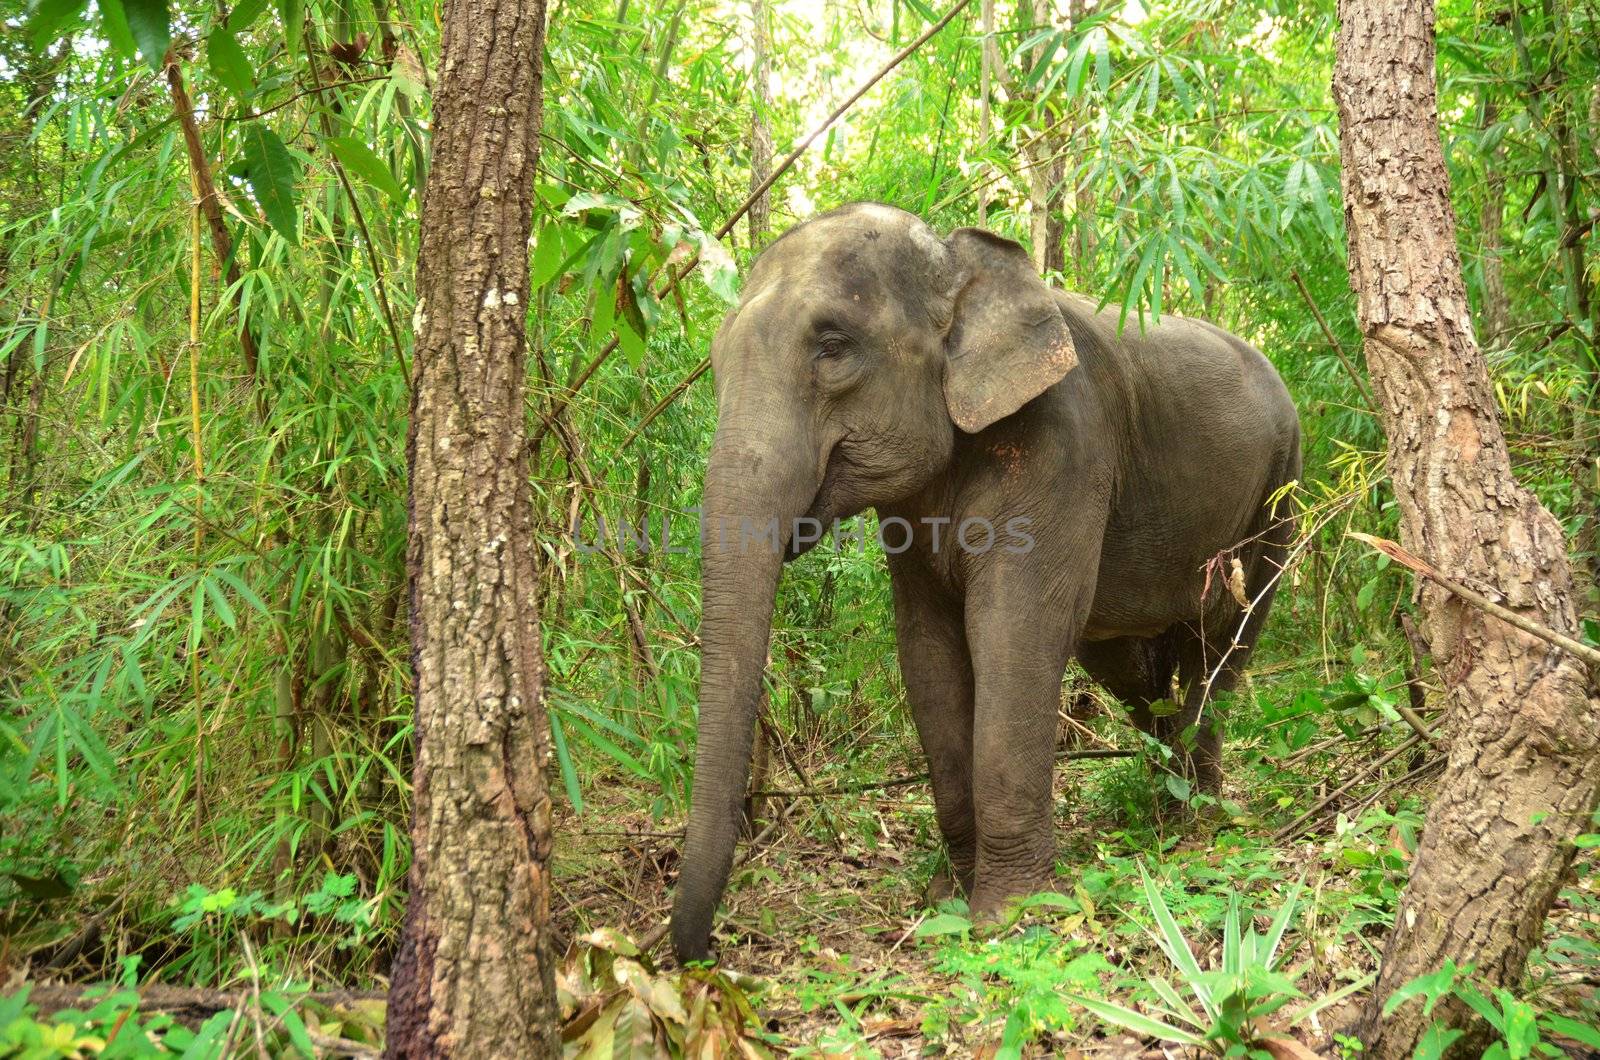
293 14
272 173
362 160
228 64
50 19
150 28
1137 1022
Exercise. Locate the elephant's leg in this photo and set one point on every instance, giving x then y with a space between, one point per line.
1137 670
930 631
1019 653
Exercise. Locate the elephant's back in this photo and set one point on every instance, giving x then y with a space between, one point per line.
1208 432
1182 374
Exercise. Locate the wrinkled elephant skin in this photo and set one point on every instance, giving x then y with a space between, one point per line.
872 364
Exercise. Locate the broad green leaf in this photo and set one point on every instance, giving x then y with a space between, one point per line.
114 24
150 27
244 14
228 64
284 1010
357 157
1435 1040
632 343
272 173
1178 787
943 924
718 270
1430 987
293 14
605 309
1582 1033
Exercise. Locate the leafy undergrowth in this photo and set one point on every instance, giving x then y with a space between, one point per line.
1209 929
828 923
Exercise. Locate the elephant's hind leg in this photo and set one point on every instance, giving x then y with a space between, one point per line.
1150 676
1212 659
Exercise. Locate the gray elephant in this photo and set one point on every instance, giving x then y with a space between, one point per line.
871 364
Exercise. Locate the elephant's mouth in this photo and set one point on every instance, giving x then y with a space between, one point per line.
818 518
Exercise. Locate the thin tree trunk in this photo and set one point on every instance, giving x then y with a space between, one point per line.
988 62
475 971
1496 306
1084 205
760 131
1046 170
1522 774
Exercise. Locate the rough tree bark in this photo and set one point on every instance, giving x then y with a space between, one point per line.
475 971
1522 775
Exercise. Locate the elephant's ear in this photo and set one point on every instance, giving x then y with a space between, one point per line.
1008 341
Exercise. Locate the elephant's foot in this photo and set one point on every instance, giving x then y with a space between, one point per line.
990 898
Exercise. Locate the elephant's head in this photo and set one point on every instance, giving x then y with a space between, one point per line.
863 342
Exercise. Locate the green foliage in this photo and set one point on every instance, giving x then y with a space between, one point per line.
1249 984
206 678
1519 1029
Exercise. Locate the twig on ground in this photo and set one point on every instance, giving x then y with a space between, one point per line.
920 778
186 1004
1310 815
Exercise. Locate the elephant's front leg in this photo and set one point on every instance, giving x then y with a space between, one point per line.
931 635
1020 643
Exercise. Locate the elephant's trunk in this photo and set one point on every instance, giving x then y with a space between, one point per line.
753 490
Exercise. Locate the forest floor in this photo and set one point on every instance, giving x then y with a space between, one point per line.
827 915
827 946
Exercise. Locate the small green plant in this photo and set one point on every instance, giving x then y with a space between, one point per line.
1233 999
1520 1029
1013 968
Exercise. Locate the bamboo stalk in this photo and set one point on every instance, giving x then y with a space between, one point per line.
208 201
199 494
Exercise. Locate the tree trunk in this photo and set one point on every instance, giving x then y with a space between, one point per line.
1496 305
475 971
1521 779
989 61
760 131
1046 171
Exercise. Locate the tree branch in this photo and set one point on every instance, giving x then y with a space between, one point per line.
1478 600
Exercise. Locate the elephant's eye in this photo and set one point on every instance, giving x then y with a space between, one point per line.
832 346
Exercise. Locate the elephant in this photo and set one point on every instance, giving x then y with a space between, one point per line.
941 382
